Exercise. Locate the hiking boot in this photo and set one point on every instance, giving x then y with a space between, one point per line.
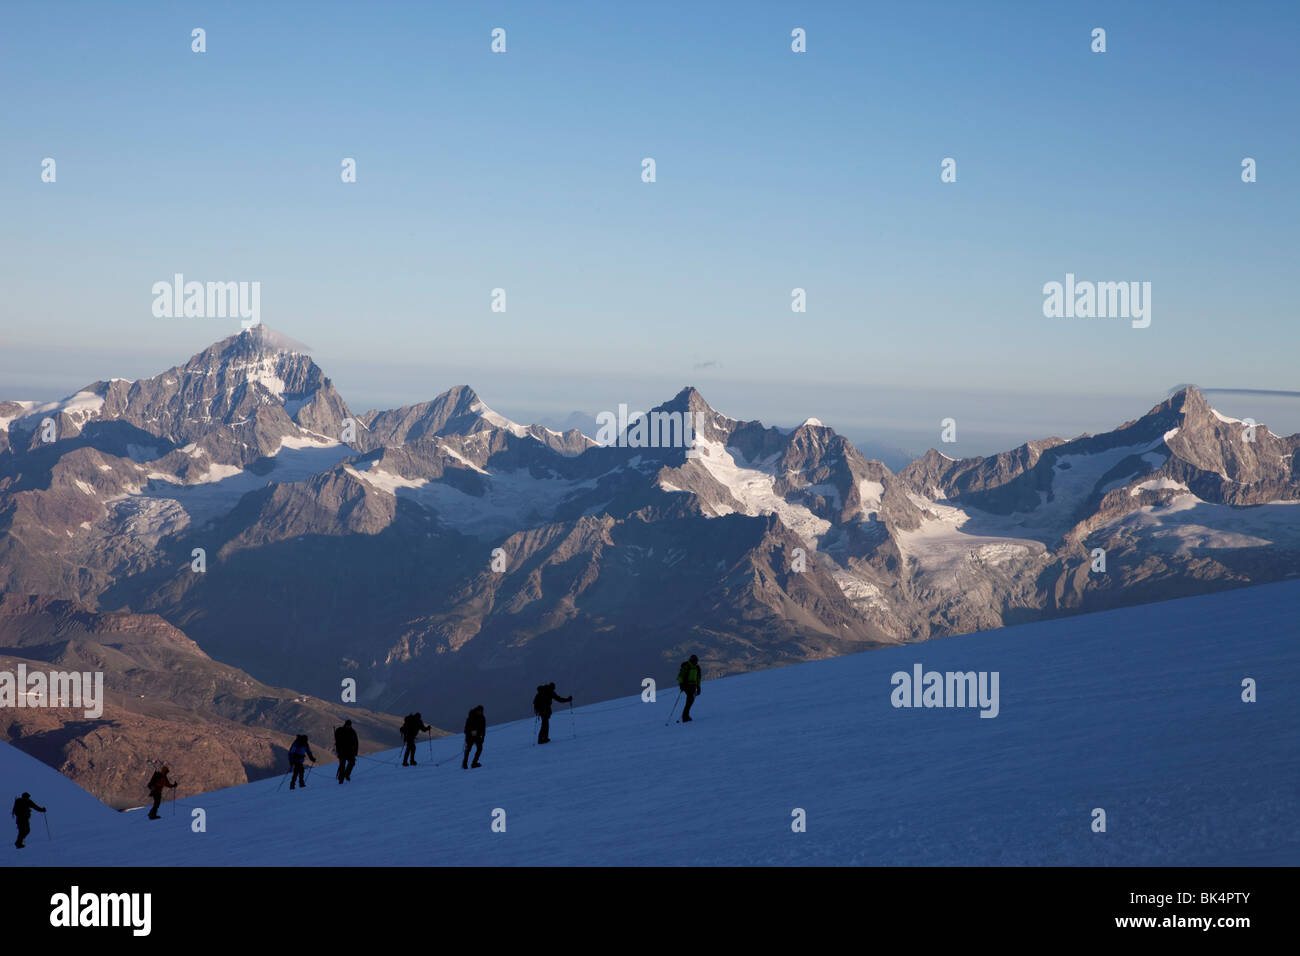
476 764
464 767
687 720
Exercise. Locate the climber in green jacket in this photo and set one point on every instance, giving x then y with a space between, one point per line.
688 679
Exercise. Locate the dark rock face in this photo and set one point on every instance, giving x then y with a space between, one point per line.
164 700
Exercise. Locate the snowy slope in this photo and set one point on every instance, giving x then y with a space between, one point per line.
1185 523
67 804
1136 711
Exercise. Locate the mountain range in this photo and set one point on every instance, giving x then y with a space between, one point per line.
443 556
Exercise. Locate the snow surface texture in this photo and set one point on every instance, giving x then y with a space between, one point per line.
1136 711
944 540
1186 524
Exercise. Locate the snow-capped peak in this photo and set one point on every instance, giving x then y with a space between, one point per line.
80 407
269 339
500 421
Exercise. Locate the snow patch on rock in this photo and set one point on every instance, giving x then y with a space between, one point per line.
753 490
1158 484
500 421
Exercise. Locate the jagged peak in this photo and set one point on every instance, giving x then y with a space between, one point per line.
462 398
453 403
268 339
1186 402
257 342
1189 398
690 399
459 407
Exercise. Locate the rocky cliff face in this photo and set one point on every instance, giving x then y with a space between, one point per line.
164 700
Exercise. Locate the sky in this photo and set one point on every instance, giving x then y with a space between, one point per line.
775 170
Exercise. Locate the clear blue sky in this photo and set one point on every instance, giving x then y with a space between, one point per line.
775 170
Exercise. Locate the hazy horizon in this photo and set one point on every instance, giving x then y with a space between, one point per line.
776 171
901 418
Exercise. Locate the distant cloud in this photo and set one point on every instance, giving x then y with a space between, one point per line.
279 340
1282 393
709 364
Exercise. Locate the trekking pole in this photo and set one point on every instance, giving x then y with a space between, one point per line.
572 724
535 720
47 826
174 789
674 710
284 778
430 744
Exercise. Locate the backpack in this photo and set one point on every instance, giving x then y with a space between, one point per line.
155 782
